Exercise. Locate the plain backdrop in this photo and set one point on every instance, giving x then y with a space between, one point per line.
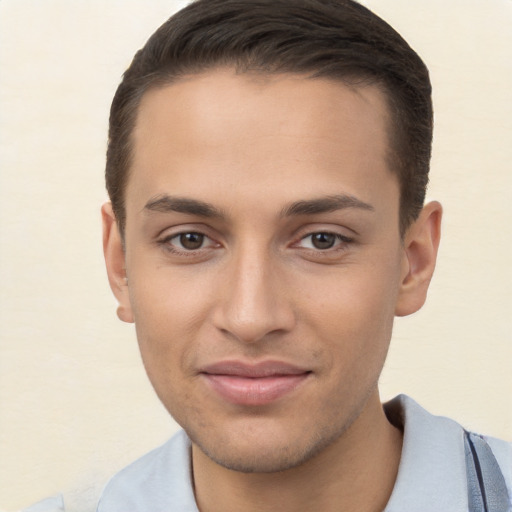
75 404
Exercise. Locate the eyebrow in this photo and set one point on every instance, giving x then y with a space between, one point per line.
325 205
167 204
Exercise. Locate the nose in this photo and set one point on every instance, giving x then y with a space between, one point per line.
254 301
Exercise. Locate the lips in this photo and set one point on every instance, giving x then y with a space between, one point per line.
253 384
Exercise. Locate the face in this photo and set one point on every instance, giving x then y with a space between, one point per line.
263 259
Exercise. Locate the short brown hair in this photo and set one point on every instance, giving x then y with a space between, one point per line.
333 39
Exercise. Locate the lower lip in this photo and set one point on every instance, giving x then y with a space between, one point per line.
254 391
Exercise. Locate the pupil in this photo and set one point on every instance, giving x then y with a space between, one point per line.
191 241
323 240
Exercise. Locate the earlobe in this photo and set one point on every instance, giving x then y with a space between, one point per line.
115 261
420 253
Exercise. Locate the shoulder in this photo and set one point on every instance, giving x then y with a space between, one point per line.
155 482
433 473
445 429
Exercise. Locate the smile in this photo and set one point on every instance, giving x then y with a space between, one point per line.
252 385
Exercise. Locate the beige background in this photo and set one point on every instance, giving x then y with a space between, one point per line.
75 405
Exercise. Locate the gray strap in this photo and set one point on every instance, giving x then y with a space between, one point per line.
487 490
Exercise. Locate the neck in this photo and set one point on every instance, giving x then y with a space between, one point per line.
356 472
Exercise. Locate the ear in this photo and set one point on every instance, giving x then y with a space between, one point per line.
420 253
115 261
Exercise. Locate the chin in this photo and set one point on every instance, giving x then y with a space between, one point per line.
270 454
257 461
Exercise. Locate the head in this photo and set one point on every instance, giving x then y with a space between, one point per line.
267 166
338 40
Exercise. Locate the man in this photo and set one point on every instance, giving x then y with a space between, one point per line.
267 167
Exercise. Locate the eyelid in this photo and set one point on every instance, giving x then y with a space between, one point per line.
339 230
179 235
340 239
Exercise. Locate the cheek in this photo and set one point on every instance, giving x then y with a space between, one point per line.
356 310
164 347
166 300
166 317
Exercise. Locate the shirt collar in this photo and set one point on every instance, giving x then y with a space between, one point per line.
432 472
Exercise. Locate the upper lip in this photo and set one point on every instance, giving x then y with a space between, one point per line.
253 370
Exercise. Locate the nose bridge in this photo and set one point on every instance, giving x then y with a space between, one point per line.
251 305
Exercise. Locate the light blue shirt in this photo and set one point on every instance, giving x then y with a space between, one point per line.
431 477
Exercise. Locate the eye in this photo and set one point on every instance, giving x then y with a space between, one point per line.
187 242
323 240
190 241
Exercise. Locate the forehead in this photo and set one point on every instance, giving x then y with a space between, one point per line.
220 131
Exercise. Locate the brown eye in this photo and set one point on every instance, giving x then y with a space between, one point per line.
191 241
323 240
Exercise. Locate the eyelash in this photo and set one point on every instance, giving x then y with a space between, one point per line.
340 242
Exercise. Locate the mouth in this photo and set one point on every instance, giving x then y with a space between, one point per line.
253 384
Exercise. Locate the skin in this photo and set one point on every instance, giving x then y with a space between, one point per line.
242 153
